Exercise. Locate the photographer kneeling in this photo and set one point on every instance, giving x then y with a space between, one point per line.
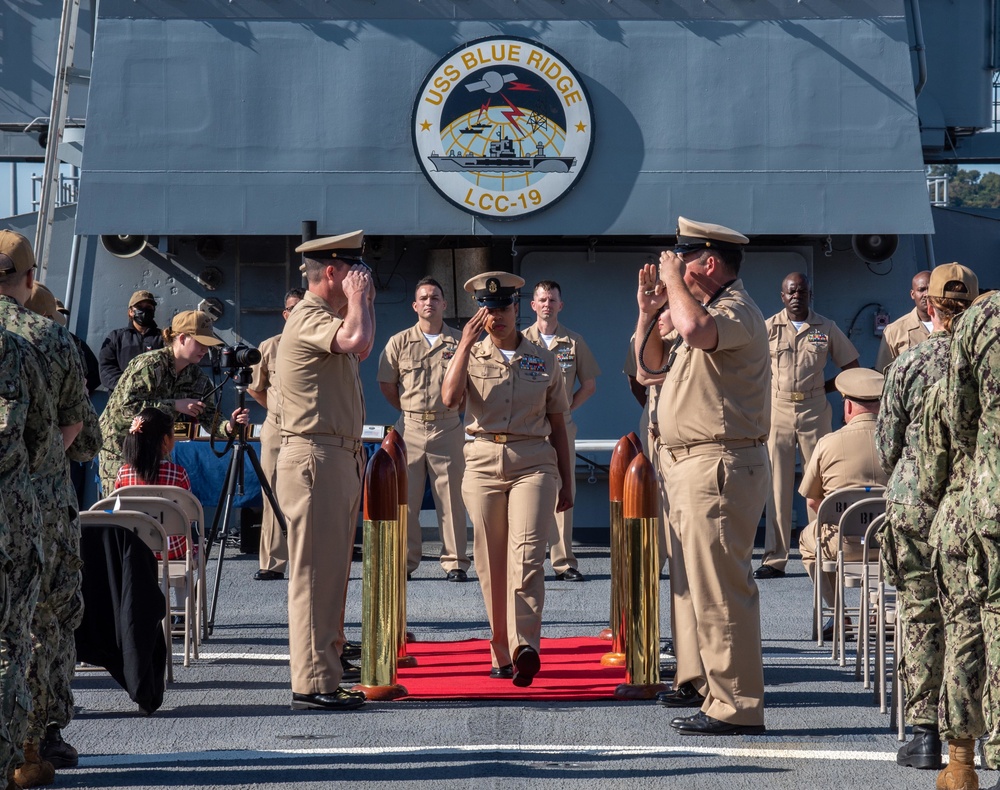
168 379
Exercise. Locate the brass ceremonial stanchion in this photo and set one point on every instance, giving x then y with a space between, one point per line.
379 582
622 456
640 508
396 447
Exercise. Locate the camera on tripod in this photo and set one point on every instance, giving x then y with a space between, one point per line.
236 361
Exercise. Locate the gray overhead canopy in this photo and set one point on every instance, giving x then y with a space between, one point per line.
247 123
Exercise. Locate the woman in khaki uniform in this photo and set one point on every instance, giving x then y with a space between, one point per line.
517 469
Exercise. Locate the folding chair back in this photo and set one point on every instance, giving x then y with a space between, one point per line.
151 532
181 572
196 515
830 510
851 531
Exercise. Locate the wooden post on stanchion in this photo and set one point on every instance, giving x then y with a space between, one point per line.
396 447
621 457
640 509
379 581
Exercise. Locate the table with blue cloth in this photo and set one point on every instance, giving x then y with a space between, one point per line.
208 473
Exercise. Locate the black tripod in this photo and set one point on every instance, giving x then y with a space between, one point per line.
234 484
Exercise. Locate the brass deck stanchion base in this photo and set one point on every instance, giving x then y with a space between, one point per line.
382 693
639 690
613 660
410 637
406 661
606 635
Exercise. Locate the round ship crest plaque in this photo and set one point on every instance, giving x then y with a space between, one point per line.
503 127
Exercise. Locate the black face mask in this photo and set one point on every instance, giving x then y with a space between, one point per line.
144 317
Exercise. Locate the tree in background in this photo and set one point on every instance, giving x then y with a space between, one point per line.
969 188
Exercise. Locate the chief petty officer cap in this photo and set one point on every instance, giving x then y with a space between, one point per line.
197 324
494 289
15 253
953 272
696 236
860 384
347 246
141 296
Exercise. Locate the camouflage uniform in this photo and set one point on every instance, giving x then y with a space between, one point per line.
973 418
148 381
943 473
26 420
60 602
906 552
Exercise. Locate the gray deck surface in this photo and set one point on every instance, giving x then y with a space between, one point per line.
226 722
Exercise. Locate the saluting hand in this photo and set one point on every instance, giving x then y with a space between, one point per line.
476 326
652 293
357 281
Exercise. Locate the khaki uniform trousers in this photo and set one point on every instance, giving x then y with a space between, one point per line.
510 492
716 496
807 548
436 448
793 424
561 538
319 492
273 546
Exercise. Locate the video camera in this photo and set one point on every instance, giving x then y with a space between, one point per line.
237 360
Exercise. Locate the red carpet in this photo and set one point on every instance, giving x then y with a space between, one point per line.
571 670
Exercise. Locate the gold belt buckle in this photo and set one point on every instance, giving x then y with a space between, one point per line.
500 438
798 396
429 416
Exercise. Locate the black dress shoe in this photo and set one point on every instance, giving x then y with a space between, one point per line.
702 724
684 696
570 575
767 572
828 630
457 575
352 673
341 699
268 576
526 665
351 650
502 673
924 751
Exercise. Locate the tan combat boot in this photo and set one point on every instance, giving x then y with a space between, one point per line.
11 784
960 773
35 771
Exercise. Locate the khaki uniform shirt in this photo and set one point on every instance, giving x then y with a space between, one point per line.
418 369
901 334
798 357
722 394
320 390
513 398
265 378
572 354
845 458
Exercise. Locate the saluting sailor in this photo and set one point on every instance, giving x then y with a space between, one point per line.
518 471
708 338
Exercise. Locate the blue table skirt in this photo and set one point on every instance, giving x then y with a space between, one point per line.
208 473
